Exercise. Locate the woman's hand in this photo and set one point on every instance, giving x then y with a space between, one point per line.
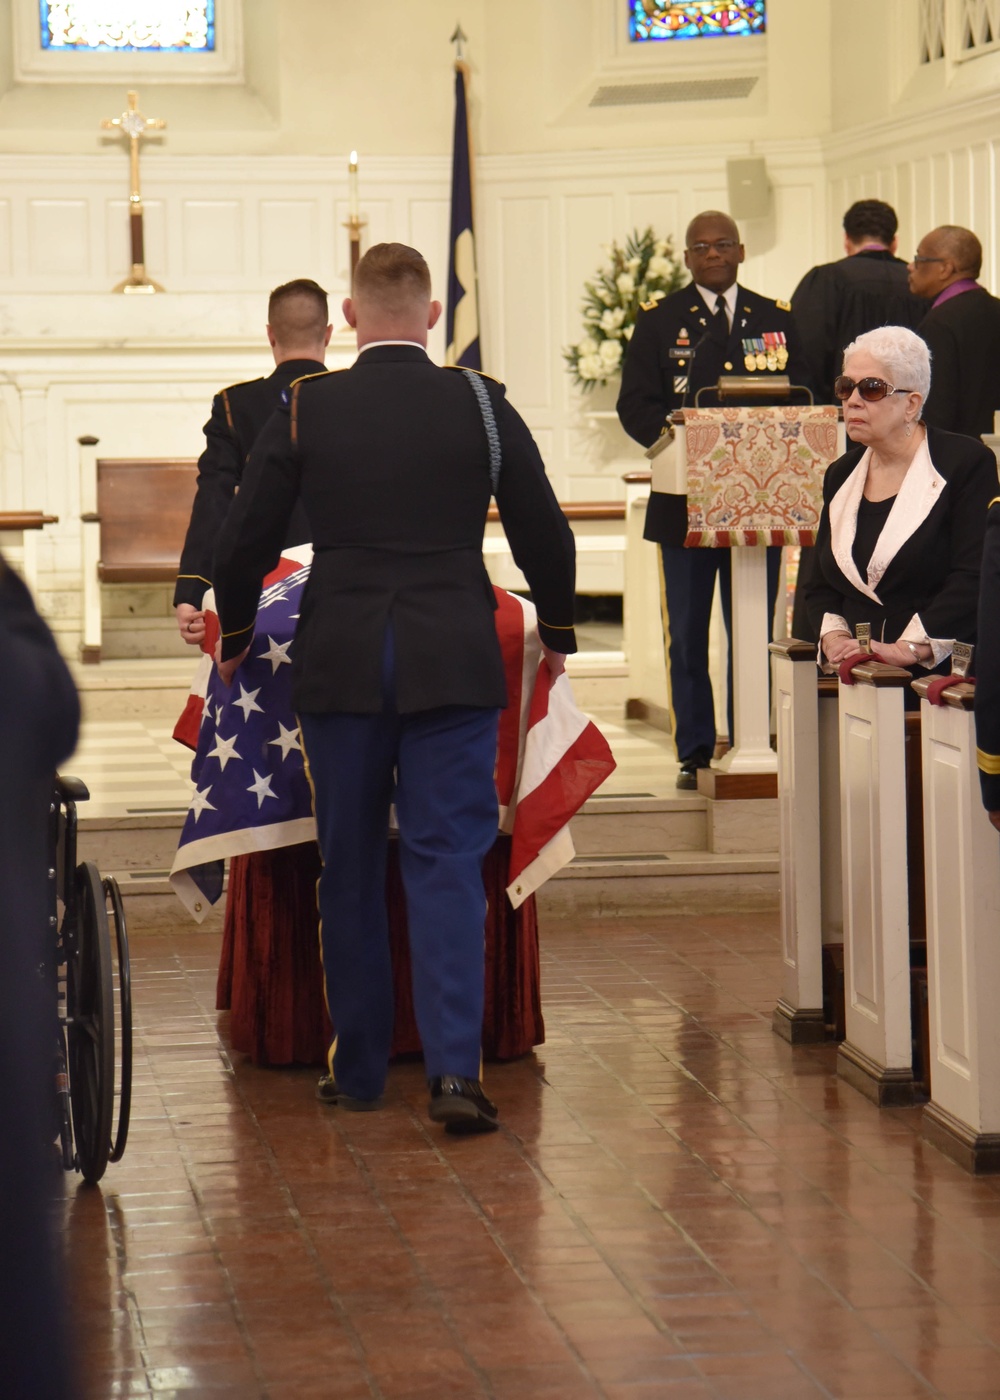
899 654
837 645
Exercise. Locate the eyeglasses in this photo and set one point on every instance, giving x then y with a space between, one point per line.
917 259
870 388
721 245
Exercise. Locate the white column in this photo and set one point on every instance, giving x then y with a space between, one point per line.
876 1056
962 853
751 751
798 1016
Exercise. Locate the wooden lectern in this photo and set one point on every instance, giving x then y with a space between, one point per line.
752 478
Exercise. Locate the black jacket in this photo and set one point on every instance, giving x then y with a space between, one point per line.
934 568
838 301
964 338
39 715
238 414
986 664
679 347
391 460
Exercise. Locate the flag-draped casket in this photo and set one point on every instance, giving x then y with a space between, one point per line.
252 804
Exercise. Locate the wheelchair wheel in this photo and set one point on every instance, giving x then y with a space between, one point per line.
124 978
90 1026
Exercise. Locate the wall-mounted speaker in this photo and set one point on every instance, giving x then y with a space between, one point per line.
749 188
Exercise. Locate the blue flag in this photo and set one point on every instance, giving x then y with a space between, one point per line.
462 323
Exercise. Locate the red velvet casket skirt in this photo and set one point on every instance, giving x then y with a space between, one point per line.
271 980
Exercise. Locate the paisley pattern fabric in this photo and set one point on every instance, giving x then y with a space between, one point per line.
755 475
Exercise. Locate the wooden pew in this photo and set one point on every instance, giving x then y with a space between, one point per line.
135 516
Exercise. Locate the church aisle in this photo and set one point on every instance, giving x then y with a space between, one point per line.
679 1205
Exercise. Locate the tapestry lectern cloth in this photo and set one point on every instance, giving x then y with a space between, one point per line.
251 791
755 475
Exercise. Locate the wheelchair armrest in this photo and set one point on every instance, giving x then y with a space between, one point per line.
72 789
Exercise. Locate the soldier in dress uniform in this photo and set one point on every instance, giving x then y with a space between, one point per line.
681 345
397 673
987 667
298 331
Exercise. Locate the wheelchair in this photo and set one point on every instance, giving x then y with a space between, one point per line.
95 1024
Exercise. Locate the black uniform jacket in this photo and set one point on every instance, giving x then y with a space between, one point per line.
927 558
964 338
679 347
391 461
238 414
39 715
986 665
838 301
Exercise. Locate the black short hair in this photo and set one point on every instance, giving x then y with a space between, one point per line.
871 218
298 311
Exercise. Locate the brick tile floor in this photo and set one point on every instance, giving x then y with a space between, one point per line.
679 1207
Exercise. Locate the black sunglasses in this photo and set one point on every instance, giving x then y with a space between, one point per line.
870 388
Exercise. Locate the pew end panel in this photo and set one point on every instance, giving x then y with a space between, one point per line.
135 514
877 1055
962 865
798 1016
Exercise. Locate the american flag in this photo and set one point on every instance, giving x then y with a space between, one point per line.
250 787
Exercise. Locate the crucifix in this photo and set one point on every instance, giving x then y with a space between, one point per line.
135 126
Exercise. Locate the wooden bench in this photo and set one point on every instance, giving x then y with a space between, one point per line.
135 516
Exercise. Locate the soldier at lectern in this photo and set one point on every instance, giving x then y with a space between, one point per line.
684 343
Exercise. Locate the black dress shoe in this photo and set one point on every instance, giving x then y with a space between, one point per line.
687 778
461 1105
328 1093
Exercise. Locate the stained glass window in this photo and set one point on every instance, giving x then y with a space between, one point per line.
649 20
101 26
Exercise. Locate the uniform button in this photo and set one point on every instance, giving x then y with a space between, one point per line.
727 365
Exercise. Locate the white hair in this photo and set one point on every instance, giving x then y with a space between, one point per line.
905 358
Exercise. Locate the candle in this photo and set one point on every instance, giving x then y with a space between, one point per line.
352 187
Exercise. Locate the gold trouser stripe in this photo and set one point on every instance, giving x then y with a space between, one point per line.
665 621
989 763
319 910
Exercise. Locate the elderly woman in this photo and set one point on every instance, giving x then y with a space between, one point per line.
901 535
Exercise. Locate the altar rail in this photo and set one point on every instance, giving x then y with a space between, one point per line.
18 534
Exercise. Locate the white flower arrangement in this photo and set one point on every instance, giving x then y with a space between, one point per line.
644 270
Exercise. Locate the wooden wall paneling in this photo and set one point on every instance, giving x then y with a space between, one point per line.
289 238
943 193
526 329
59 241
213 232
982 215
5 238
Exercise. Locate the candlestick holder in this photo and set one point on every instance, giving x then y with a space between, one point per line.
354 223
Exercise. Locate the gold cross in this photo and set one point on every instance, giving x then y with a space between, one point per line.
135 126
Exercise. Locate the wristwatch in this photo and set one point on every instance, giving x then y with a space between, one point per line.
913 648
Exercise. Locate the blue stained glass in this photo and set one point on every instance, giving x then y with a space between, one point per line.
651 21
145 26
